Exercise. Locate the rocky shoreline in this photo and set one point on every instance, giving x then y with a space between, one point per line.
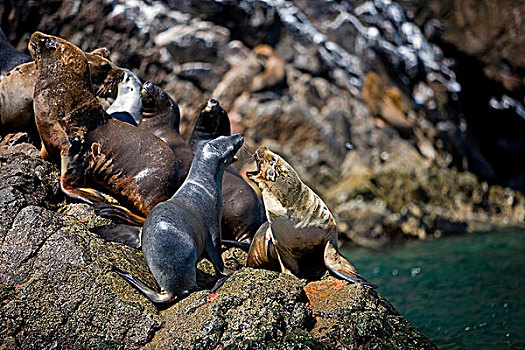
380 135
58 290
367 110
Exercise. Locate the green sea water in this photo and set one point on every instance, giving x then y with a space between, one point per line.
463 292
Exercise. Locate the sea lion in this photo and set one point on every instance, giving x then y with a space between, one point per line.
299 223
17 88
161 117
9 56
94 149
128 104
243 211
273 74
182 230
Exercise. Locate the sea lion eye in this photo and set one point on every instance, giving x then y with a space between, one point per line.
271 174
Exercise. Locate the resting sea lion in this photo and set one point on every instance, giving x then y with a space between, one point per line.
161 117
243 211
9 56
93 148
299 223
17 88
187 227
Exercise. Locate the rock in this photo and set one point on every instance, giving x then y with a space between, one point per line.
25 179
57 289
64 292
253 307
355 317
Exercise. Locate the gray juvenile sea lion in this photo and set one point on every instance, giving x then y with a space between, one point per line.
187 227
9 56
92 148
128 104
17 89
243 211
299 223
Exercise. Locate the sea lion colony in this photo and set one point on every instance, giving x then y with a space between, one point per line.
179 202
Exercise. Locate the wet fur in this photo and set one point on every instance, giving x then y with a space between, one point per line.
243 211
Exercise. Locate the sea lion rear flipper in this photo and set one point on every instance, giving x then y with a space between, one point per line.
235 244
219 283
118 214
157 298
126 234
72 175
341 267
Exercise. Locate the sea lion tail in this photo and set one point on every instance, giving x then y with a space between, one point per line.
155 297
341 267
126 234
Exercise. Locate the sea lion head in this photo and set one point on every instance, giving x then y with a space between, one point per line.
223 149
105 76
59 61
48 48
154 99
212 119
273 173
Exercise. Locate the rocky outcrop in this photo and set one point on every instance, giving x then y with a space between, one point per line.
57 290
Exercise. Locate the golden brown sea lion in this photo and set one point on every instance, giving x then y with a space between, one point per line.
300 224
17 88
94 149
274 72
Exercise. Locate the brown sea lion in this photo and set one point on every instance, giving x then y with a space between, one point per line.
243 212
161 117
299 223
273 74
17 88
94 149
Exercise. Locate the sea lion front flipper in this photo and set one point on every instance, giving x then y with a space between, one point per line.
341 267
156 297
126 234
219 283
288 264
43 151
117 213
214 255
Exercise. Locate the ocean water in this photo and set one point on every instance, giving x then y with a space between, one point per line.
463 292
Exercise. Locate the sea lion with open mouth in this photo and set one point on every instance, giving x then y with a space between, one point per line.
92 148
299 223
182 230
